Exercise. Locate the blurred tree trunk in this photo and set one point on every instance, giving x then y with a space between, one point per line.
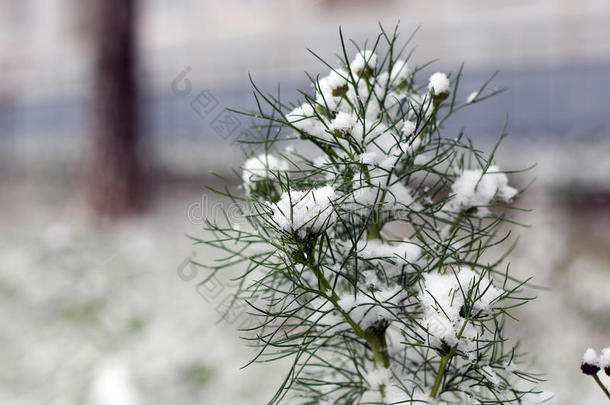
114 181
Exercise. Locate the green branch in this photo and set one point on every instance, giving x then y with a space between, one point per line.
445 362
376 341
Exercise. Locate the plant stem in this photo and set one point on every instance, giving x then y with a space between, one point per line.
441 371
325 287
376 341
447 357
601 385
380 350
454 226
323 283
381 359
373 231
445 362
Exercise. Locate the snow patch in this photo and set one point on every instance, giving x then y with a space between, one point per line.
302 212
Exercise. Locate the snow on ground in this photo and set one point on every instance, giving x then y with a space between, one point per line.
105 318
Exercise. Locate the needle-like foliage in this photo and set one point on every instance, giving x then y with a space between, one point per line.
374 255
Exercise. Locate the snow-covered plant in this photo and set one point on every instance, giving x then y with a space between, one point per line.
592 363
374 256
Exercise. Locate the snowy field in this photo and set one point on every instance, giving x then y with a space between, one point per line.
113 316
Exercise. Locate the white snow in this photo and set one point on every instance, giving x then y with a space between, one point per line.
408 128
305 119
385 147
299 115
486 293
377 159
442 297
378 377
305 211
375 249
590 357
473 188
397 197
391 258
113 385
380 139
472 96
400 71
439 293
263 166
439 83
441 307
336 79
362 59
343 122
57 237
395 395
394 100
490 375
370 308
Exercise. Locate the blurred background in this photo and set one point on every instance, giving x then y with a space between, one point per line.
112 117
